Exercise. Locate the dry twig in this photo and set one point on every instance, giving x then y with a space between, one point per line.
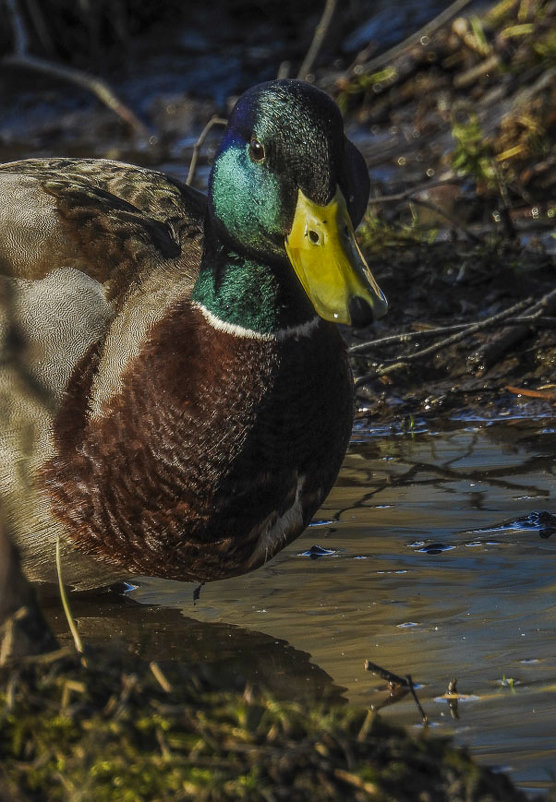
543 321
427 30
402 361
65 604
510 336
214 120
318 39
395 680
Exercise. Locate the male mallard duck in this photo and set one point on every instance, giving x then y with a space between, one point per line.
203 397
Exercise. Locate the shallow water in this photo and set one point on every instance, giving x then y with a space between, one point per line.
434 563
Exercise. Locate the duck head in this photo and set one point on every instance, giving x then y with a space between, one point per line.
287 187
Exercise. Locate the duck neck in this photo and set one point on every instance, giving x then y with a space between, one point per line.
241 291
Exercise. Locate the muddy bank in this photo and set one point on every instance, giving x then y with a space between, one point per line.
461 220
434 288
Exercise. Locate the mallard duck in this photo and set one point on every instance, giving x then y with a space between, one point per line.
202 397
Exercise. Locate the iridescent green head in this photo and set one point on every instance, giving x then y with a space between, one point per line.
286 189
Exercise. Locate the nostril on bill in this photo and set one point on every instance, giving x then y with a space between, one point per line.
314 236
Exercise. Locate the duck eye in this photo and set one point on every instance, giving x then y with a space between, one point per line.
256 150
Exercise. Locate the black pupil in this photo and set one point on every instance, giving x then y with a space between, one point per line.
257 150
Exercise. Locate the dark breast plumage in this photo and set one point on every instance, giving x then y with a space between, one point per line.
215 470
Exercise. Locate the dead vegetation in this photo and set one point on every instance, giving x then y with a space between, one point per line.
461 232
116 729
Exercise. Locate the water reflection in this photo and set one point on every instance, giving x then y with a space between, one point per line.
231 657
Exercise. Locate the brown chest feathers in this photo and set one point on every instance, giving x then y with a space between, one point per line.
212 455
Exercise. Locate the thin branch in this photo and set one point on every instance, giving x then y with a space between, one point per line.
546 303
395 680
369 788
402 362
541 321
405 337
386 674
408 193
424 716
22 59
468 77
215 120
549 395
89 82
488 354
427 30
21 41
318 39
284 70
160 676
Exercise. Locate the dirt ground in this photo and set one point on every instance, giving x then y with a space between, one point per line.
432 286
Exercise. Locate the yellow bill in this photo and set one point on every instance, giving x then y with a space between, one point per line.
326 258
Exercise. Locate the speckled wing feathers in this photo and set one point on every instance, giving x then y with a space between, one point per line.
114 222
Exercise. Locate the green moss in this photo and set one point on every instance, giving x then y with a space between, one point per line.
376 235
117 735
472 154
362 84
545 48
